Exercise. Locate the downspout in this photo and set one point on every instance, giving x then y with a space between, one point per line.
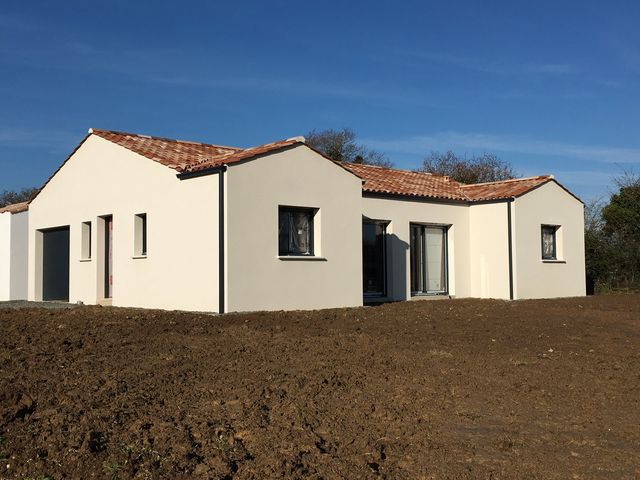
510 240
221 245
221 230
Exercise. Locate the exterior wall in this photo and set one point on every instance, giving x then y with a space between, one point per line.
257 279
13 256
19 252
548 205
399 214
101 178
489 255
5 256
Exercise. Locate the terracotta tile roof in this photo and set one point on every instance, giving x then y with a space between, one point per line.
15 208
416 184
404 182
188 156
503 189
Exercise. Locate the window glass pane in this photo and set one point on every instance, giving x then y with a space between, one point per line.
434 240
548 242
416 258
283 232
299 236
143 217
295 231
373 246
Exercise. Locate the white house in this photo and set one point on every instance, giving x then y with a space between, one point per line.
134 220
13 252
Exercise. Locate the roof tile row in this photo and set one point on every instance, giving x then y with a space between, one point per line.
194 157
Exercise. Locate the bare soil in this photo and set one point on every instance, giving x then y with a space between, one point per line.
431 389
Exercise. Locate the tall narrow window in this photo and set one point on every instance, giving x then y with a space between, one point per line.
374 236
549 245
85 254
140 240
295 231
428 251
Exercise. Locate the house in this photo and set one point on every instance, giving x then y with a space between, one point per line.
134 220
13 252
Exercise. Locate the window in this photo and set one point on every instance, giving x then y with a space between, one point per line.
428 251
295 231
140 240
374 235
549 244
85 253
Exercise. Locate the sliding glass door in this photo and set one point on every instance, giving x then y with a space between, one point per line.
428 259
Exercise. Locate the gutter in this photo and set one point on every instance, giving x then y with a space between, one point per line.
221 222
510 240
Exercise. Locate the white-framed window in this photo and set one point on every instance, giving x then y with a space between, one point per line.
295 231
549 241
85 253
140 235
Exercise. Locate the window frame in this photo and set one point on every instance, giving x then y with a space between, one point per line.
445 239
312 212
86 239
140 234
385 226
554 230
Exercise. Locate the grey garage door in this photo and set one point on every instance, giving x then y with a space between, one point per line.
55 264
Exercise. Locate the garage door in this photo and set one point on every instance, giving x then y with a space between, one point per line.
55 264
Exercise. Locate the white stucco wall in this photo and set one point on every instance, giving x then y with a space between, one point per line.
102 178
19 255
13 256
489 250
400 214
256 278
534 278
5 256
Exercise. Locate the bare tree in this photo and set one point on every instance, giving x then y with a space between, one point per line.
341 146
476 169
9 197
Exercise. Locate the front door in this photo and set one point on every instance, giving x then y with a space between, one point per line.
374 258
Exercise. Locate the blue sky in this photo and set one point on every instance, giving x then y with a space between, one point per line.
552 87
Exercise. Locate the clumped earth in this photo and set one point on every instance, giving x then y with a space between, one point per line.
427 389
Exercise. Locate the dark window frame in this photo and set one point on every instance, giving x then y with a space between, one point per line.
384 293
445 240
553 229
143 248
289 252
140 228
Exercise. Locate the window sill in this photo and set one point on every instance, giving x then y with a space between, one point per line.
430 294
308 258
554 261
84 260
139 257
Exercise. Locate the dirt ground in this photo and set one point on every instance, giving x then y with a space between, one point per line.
433 389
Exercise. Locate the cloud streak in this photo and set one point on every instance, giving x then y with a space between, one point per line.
26 138
478 142
493 66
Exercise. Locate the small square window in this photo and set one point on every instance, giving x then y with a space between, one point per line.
140 241
549 244
85 254
295 231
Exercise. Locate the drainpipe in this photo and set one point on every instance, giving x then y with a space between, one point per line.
510 240
221 231
220 170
